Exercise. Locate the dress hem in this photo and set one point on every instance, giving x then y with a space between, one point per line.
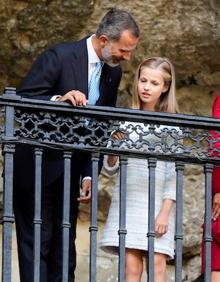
113 249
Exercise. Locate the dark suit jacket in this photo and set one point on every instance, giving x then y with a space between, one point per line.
58 70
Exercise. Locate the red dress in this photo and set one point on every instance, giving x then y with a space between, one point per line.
215 260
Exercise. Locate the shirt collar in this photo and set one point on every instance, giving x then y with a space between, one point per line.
92 56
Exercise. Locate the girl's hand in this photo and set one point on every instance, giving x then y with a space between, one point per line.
161 224
216 206
161 221
118 135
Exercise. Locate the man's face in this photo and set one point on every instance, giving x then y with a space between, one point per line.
113 52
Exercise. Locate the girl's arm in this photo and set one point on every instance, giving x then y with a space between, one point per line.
169 198
111 164
112 160
169 188
162 219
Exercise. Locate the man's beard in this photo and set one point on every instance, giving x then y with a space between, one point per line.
107 56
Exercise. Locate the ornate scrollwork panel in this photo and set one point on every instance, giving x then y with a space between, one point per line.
150 138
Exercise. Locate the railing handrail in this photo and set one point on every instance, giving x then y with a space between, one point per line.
118 114
56 125
184 120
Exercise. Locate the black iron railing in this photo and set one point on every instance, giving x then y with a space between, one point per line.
182 139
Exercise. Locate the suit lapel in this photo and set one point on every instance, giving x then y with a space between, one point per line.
105 84
81 66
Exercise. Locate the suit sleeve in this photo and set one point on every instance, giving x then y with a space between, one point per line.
216 170
86 165
41 80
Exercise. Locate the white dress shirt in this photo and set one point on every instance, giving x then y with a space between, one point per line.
92 57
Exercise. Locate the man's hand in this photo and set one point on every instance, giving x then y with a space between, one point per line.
75 97
216 206
85 192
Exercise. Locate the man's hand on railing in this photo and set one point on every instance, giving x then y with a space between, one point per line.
85 192
74 97
216 206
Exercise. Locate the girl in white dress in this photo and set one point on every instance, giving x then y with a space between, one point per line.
154 90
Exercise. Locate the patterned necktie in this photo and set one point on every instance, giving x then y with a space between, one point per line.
94 84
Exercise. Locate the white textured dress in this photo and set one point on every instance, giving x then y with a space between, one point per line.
137 205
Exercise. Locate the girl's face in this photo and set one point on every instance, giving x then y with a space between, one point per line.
151 85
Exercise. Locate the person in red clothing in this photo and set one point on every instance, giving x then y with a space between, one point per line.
215 258
215 262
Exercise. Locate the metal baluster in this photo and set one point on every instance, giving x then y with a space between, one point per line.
122 218
208 168
8 216
37 213
179 220
151 221
66 214
93 229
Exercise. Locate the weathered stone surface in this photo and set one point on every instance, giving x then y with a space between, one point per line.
187 32
28 27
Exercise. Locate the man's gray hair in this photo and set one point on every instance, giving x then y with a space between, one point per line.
115 22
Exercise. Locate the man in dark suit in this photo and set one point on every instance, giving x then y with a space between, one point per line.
63 73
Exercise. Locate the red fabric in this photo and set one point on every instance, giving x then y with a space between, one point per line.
216 180
215 259
216 107
216 231
216 171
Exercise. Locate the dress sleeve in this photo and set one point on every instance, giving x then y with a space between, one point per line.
110 169
169 191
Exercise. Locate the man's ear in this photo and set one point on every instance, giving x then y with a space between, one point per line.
103 40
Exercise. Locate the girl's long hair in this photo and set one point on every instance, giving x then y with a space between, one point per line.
167 102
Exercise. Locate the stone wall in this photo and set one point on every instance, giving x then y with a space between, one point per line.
187 32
